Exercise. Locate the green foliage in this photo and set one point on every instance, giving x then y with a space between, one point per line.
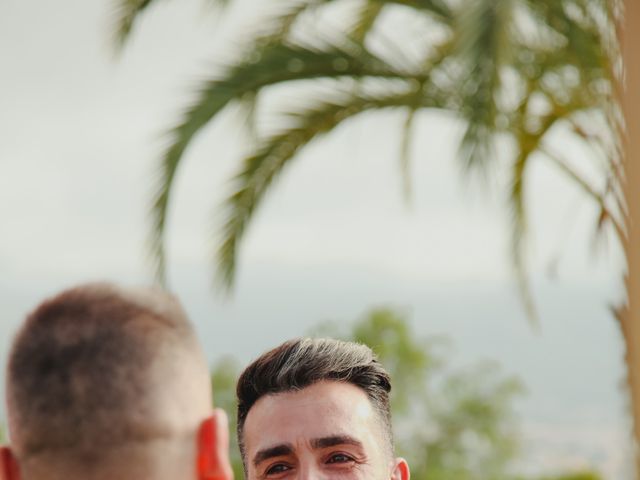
511 70
448 423
260 170
573 476
223 382
127 13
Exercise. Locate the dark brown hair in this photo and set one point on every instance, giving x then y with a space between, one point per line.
78 376
299 363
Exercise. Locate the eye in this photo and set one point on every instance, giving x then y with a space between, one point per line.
339 458
277 469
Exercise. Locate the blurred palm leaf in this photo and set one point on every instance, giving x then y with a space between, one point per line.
278 28
510 70
260 169
272 64
127 13
484 49
369 13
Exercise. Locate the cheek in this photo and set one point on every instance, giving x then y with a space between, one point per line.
358 472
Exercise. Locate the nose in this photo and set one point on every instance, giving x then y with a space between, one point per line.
310 471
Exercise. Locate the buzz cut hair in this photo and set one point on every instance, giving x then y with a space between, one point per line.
300 363
78 377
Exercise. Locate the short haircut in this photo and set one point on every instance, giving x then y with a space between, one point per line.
299 363
79 378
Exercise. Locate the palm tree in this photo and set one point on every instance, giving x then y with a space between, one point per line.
515 71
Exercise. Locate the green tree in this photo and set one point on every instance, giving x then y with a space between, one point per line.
575 476
224 376
579 476
448 423
513 71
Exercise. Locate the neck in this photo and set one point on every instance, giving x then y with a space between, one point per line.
164 460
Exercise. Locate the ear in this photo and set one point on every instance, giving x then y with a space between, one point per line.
400 470
213 448
8 465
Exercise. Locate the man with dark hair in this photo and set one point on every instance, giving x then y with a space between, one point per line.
105 383
317 408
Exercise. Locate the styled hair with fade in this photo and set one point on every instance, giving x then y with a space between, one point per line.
78 377
299 363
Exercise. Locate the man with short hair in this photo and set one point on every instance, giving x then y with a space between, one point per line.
317 409
105 383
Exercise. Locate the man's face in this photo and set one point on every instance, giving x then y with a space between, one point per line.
327 430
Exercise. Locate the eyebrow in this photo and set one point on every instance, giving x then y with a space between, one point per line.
332 441
276 451
316 444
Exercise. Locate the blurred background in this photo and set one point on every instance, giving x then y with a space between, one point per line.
405 219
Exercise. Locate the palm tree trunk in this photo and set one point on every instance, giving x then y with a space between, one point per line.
630 314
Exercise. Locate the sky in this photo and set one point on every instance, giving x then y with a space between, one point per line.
82 129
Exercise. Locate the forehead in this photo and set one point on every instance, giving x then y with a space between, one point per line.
323 409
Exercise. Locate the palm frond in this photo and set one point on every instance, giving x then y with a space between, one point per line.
519 229
260 169
405 153
365 19
281 24
436 9
528 145
248 106
483 39
276 64
481 100
606 214
603 140
579 34
126 13
572 60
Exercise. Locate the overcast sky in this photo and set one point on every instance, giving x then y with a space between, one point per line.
81 131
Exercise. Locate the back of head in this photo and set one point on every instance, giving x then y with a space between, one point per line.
106 383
